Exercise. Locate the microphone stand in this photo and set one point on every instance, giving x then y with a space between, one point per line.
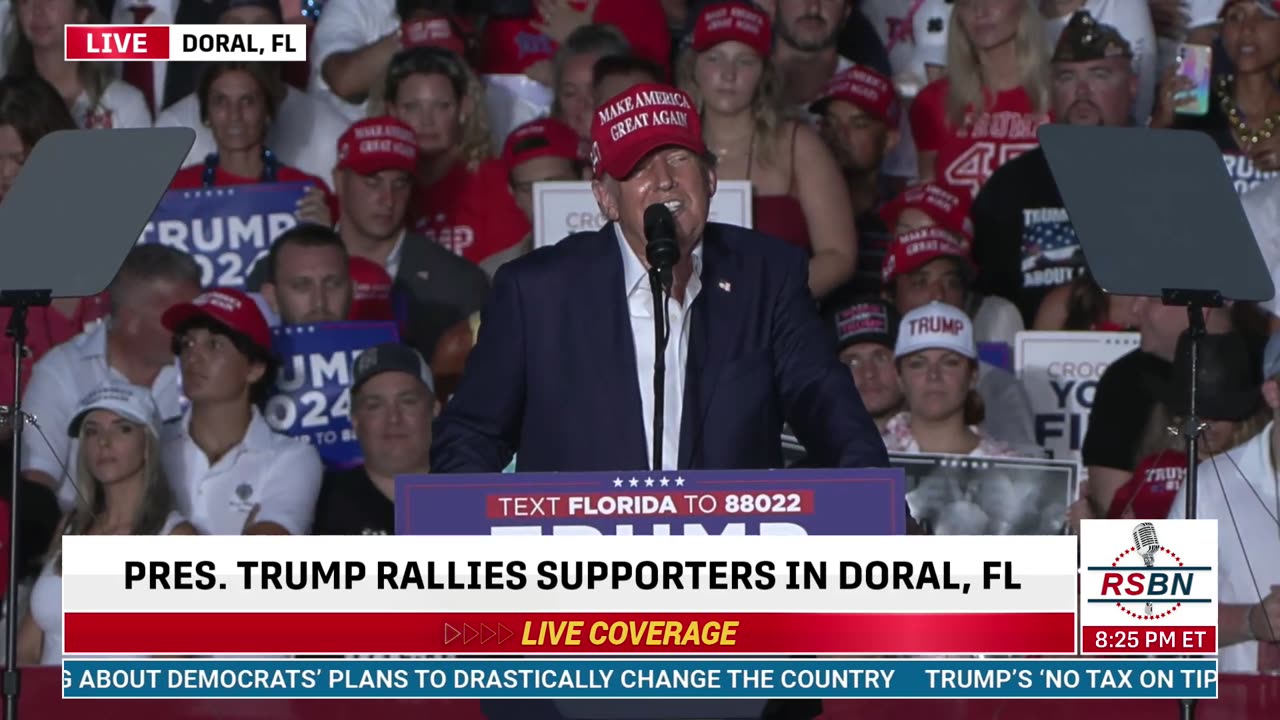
18 302
660 285
1196 301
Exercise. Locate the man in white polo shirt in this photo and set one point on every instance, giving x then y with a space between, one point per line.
1242 492
133 347
231 474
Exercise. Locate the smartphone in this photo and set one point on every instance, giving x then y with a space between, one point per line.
1194 62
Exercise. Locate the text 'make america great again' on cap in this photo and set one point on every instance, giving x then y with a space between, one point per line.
652 98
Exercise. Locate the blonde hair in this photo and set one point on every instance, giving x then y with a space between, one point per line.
148 519
476 143
766 104
967 91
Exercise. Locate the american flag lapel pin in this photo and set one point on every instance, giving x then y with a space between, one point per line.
725 285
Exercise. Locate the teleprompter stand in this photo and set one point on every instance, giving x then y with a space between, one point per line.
80 202
1157 215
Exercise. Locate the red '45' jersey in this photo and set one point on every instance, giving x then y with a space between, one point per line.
967 155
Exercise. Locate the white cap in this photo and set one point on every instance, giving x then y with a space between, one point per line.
129 402
936 326
1202 13
929 28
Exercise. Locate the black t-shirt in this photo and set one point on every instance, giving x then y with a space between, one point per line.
350 504
1122 405
1024 243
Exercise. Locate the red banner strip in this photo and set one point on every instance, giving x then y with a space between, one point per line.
725 633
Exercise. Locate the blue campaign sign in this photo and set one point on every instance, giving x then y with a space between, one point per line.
312 397
996 353
688 502
226 229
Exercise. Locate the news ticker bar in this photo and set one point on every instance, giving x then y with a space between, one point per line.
186 43
568 633
602 679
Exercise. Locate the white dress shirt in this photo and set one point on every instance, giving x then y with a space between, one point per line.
640 306
163 13
1251 499
59 381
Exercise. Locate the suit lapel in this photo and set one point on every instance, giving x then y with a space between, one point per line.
614 360
717 313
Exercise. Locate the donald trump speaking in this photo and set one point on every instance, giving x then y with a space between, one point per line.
563 370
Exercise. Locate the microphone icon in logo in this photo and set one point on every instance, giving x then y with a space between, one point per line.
1144 539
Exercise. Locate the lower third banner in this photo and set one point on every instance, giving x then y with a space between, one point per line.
640 679
227 230
312 397
695 502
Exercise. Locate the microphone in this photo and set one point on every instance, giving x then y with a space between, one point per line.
661 249
1144 539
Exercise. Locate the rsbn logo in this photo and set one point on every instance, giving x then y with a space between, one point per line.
1156 588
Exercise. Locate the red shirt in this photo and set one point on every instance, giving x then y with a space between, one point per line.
471 212
511 45
969 154
1150 493
192 177
46 327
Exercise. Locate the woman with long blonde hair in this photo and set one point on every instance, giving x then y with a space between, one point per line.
464 199
121 490
95 98
799 193
985 112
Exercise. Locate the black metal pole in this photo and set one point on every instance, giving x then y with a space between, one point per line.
659 365
1191 436
17 332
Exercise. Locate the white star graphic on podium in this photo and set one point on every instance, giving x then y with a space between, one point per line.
679 482
617 482
664 482
635 482
648 482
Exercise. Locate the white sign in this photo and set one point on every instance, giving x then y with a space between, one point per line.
563 208
1060 371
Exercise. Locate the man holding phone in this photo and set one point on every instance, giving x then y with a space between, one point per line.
1024 244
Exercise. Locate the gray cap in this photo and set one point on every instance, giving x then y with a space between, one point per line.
390 357
1271 358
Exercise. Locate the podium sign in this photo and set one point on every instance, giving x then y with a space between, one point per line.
693 502
563 208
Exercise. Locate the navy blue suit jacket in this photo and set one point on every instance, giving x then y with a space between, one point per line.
553 372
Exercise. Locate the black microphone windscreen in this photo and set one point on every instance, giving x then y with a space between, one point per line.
659 224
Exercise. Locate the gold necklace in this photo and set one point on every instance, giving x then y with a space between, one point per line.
1248 136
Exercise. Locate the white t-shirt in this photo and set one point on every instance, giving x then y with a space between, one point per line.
46 603
1262 207
279 474
888 17
121 106
1247 492
59 381
347 25
304 136
1133 21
